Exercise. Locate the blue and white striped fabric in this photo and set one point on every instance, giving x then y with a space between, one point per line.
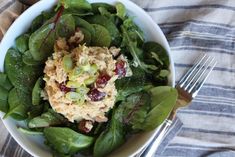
207 126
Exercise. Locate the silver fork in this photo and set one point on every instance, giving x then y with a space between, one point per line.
188 87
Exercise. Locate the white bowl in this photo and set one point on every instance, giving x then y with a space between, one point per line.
34 144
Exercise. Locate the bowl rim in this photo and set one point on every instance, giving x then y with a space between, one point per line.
171 77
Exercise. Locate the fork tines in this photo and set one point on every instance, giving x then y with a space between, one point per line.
193 80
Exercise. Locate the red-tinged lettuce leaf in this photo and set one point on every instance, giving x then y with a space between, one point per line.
42 41
135 109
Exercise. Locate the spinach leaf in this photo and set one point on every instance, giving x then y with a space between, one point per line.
156 52
65 26
87 36
101 36
29 60
29 131
79 22
4 81
75 7
3 93
135 51
66 141
109 25
22 43
3 99
111 138
50 118
5 86
18 104
135 109
108 7
40 20
21 76
35 110
121 10
36 23
4 106
104 12
75 4
36 93
163 101
41 42
13 61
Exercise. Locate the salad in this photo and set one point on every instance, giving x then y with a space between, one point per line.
85 78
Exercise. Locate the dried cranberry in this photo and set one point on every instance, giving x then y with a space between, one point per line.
65 89
82 126
95 95
102 80
120 68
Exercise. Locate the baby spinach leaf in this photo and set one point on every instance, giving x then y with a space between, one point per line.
87 36
111 138
75 4
101 36
75 7
121 10
155 51
65 26
4 106
40 20
29 60
3 93
109 25
21 76
13 62
5 86
135 109
108 7
79 22
36 93
36 23
163 101
66 141
35 110
18 104
77 13
29 131
47 119
41 42
4 81
104 12
22 43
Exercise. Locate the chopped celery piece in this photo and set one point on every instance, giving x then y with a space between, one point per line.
67 63
73 84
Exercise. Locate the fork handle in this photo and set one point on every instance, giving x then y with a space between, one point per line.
151 148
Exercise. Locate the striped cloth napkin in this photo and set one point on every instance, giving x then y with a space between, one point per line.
206 127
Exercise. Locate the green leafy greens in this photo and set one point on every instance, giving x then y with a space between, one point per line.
143 100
